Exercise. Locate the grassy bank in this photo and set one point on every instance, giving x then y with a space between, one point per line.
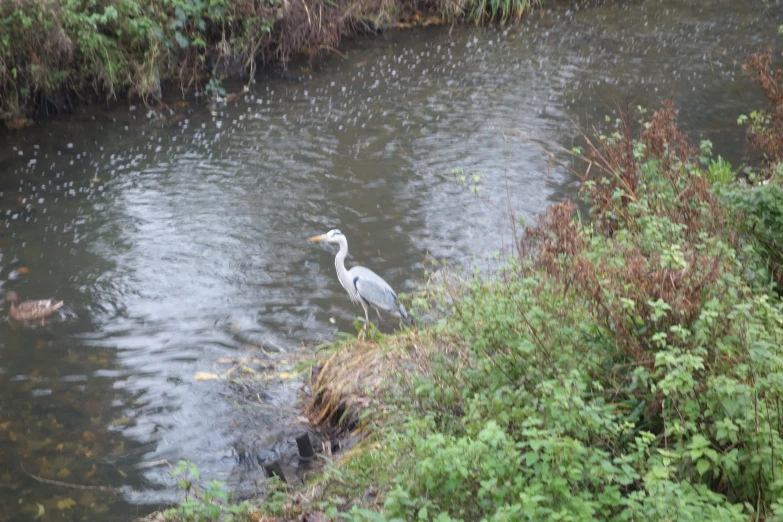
626 365
55 53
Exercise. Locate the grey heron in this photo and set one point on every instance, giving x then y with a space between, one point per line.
362 284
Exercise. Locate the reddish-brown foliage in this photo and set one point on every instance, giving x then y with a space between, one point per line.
769 140
631 271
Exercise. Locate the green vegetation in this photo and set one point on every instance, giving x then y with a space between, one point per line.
204 504
624 367
55 50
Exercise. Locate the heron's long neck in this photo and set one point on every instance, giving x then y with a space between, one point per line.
339 264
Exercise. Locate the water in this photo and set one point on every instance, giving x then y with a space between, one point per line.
178 245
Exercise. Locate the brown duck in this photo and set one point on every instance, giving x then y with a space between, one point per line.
30 310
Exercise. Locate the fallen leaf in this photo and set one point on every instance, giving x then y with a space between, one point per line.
66 503
41 512
23 270
60 446
205 376
285 375
96 180
63 474
122 421
88 437
18 123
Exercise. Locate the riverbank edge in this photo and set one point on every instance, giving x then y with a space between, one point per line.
137 49
391 392
513 400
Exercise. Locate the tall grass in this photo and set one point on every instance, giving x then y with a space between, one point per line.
502 11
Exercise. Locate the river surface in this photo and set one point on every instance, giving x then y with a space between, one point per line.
179 246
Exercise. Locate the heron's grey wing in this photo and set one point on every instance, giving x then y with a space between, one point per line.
372 289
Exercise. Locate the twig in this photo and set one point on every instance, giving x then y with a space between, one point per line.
328 48
70 485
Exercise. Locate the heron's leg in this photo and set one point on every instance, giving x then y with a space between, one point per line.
366 321
380 319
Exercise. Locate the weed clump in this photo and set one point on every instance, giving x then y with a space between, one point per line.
765 129
760 210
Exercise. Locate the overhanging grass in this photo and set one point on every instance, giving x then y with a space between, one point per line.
55 52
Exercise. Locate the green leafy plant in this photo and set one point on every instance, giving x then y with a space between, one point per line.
207 503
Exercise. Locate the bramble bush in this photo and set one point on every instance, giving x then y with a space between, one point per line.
629 367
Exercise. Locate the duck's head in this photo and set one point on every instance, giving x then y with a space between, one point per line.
11 297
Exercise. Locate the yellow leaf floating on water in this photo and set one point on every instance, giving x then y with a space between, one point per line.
63 474
41 512
23 270
205 376
285 375
122 421
18 123
66 503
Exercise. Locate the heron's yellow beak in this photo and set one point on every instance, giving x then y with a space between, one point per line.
315 239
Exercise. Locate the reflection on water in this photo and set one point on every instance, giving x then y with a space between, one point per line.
178 244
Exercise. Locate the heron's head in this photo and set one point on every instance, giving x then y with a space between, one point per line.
333 236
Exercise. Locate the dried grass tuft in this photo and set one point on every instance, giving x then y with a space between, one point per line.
357 376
